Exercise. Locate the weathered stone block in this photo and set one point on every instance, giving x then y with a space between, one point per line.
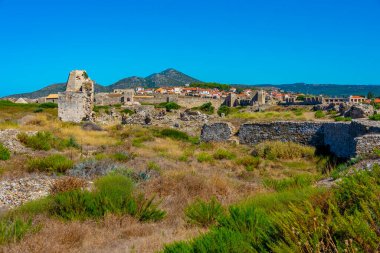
216 132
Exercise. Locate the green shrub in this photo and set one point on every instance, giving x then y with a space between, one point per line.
38 110
224 109
299 181
154 166
48 105
46 141
5 154
52 163
204 214
174 134
319 114
341 118
207 108
298 111
375 117
12 230
204 157
169 106
121 157
249 162
113 194
128 111
283 150
221 154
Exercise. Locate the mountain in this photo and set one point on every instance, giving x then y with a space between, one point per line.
169 77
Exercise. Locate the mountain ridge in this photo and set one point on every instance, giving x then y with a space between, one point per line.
168 77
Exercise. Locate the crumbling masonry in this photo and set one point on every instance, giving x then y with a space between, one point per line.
77 102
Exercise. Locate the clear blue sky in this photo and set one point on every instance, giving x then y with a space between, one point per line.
236 41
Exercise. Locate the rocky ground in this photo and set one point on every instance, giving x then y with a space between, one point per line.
15 192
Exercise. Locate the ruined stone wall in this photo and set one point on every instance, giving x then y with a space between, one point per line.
344 140
366 144
185 101
309 133
338 137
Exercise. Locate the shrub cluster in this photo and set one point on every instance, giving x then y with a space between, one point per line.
224 154
13 230
343 219
283 150
207 108
5 154
341 118
169 106
46 141
203 213
224 109
53 163
319 114
375 117
113 194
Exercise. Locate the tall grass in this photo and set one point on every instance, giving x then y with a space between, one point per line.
203 213
283 150
301 219
113 194
5 154
13 230
53 163
46 141
299 181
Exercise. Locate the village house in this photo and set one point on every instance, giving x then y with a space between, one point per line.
52 98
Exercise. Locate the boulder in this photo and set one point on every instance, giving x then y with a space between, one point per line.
358 111
217 132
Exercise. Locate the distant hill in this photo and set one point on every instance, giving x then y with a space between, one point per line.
331 89
169 77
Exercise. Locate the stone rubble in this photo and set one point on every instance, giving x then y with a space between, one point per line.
15 192
9 139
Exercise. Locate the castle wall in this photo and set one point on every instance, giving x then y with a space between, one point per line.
185 101
344 140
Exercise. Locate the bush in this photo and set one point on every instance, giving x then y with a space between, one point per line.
202 213
319 114
221 154
204 157
341 118
121 157
5 154
67 184
128 111
249 162
375 117
299 181
207 108
169 106
174 134
48 105
52 163
46 141
38 110
13 230
283 150
224 109
113 194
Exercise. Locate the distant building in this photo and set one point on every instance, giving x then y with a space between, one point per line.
52 98
21 101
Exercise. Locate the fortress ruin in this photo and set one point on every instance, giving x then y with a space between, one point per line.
77 102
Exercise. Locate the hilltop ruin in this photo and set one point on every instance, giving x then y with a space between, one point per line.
77 102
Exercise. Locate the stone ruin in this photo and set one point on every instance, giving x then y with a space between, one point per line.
77 102
343 139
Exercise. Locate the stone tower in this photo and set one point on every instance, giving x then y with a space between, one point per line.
77 102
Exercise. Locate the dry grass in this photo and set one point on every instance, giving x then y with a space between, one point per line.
113 234
67 184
